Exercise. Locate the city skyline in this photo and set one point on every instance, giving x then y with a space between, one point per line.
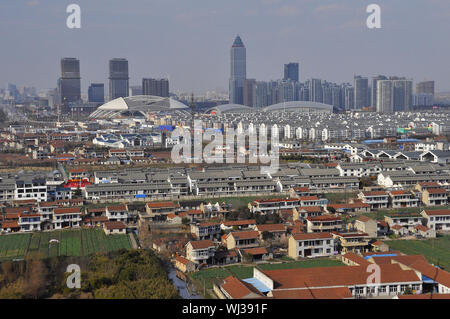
273 33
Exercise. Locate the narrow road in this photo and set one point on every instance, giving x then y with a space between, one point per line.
133 241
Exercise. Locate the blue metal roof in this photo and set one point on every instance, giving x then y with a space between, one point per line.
257 284
373 141
384 255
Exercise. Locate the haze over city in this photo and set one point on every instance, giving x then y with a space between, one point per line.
189 42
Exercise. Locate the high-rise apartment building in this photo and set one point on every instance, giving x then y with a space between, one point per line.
238 72
361 85
426 87
291 72
118 78
385 96
315 90
373 99
96 93
249 92
69 83
157 87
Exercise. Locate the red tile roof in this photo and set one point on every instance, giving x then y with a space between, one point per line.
238 289
336 276
310 236
240 222
321 293
67 210
115 225
202 244
271 228
437 212
256 251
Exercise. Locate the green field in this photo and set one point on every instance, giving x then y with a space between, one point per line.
206 277
436 251
80 242
335 198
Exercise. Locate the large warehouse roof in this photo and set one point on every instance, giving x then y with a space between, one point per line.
137 106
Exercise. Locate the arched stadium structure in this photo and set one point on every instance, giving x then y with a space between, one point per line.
293 106
136 106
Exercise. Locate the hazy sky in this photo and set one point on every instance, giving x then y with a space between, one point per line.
189 40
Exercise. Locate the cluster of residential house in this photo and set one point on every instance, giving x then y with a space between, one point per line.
316 231
30 215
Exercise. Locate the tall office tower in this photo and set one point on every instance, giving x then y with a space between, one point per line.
249 92
315 90
375 79
361 86
96 93
304 94
402 95
238 71
291 72
135 90
426 87
118 78
262 94
69 84
349 98
157 87
327 94
385 96
336 97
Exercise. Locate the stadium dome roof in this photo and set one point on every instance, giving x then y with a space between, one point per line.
136 106
299 106
294 106
230 108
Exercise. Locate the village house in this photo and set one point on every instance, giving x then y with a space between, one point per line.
376 199
200 251
158 211
405 219
276 231
66 217
402 198
117 213
435 197
301 213
310 245
238 224
241 239
438 220
184 265
114 227
353 241
424 231
366 225
358 207
323 223
207 230
379 246
255 254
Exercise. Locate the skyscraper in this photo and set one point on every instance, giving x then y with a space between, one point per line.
361 86
426 87
385 96
249 92
402 95
238 71
118 78
291 72
69 84
96 93
315 90
373 102
157 87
